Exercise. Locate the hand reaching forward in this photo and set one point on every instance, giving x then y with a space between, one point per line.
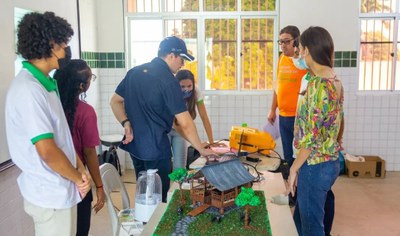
207 152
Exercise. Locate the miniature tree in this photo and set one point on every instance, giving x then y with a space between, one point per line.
247 198
179 175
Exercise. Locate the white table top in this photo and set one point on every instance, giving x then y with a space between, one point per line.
280 216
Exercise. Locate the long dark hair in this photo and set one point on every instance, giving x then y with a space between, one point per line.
192 100
320 45
69 80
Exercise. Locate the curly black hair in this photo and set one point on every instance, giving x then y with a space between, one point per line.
38 32
69 80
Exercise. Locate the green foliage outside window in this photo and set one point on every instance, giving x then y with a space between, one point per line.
221 40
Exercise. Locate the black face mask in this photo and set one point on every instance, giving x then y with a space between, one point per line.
63 62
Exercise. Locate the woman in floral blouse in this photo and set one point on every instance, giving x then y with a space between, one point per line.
317 127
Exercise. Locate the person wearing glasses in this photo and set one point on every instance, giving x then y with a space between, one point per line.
287 90
146 102
73 82
53 179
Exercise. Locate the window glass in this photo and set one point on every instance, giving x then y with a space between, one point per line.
220 5
144 42
181 5
143 5
257 54
234 50
258 5
220 54
18 14
379 44
378 6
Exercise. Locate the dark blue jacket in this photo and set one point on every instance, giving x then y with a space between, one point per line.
152 98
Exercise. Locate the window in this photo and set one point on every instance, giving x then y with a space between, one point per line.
379 67
232 40
18 14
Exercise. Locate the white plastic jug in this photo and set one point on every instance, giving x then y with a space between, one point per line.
148 194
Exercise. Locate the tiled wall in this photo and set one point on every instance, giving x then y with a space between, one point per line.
12 206
372 119
345 59
104 59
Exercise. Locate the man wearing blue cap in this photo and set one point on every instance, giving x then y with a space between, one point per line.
146 102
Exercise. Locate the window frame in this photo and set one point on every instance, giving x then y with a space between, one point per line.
395 16
201 16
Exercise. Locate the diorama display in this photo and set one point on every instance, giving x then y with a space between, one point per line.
219 202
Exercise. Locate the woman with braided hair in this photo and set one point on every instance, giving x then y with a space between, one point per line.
73 81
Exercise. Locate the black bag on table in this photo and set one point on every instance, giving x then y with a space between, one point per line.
192 155
110 156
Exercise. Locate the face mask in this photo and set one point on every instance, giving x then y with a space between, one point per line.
187 93
63 62
300 63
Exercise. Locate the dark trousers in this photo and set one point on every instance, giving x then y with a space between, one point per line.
164 168
286 128
83 215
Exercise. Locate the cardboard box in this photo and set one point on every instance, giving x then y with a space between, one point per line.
373 167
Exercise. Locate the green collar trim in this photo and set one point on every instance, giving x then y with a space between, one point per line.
49 83
308 76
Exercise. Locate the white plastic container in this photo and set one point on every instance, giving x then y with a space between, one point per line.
148 194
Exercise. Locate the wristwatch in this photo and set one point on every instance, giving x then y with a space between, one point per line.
124 121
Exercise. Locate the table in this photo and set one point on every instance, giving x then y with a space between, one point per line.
280 216
266 163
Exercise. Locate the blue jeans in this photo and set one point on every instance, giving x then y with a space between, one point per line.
315 205
179 148
286 128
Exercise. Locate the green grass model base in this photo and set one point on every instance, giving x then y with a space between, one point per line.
211 222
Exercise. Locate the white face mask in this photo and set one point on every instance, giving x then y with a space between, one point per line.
300 63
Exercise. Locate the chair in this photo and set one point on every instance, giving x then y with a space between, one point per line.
112 182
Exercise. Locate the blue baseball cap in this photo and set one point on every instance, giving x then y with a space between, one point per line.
173 44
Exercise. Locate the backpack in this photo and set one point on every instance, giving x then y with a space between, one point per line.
110 156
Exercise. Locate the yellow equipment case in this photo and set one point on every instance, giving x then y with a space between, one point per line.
251 140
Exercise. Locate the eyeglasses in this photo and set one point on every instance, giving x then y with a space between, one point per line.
93 77
284 41
182 60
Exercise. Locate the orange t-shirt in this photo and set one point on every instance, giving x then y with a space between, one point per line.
289 81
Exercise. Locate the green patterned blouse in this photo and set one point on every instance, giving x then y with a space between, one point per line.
318 118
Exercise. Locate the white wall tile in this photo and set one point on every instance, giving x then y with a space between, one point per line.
372 120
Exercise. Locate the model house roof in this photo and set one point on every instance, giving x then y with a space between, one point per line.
226 175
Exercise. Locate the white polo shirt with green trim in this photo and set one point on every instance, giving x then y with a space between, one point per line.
200 97
33 113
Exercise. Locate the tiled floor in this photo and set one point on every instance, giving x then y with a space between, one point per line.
364 207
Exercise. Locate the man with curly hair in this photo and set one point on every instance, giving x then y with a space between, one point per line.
53 179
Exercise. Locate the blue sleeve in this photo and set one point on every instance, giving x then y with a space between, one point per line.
173 98
120 90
